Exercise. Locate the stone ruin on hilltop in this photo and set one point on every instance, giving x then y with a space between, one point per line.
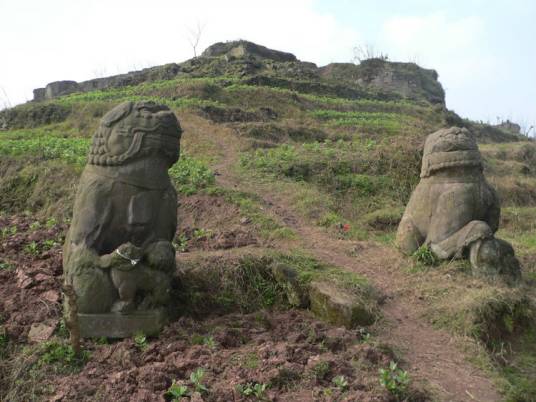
402 80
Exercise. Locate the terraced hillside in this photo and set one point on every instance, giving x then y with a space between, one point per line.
282 163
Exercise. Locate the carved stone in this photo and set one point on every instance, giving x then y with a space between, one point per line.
453 210
118 254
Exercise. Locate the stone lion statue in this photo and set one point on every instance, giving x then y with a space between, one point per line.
118 254
453 210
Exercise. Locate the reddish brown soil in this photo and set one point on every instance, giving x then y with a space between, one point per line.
281 349
212 223
285 349
30 275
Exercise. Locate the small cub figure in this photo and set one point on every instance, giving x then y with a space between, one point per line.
138 273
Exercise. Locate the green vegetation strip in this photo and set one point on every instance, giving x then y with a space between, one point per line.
70 150
148 91
388 122
328 102
188 173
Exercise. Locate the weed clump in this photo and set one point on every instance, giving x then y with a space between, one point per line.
426 256
395 380
61 357
252 389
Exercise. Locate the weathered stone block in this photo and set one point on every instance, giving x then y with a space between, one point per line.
338 306
58 88
39 94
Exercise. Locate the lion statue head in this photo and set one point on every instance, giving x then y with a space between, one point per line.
133 130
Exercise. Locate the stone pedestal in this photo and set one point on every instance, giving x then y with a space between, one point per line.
116 325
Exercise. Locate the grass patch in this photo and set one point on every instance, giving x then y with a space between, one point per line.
27 368
340 166
494 322
222 286
425 256
520 369
252 282
337 182
491 314
61 357
46 188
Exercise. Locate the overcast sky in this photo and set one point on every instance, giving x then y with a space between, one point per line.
484 51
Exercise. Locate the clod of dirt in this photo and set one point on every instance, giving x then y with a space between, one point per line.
40 332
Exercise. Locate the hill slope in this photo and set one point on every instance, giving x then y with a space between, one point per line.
315 163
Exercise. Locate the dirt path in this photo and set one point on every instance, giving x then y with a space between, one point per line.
431 355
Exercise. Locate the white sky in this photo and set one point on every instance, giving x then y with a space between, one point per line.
484 51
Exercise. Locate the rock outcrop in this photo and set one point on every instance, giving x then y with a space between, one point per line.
509 126
406 79
243 49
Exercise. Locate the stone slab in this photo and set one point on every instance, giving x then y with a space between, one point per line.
338 306
116 325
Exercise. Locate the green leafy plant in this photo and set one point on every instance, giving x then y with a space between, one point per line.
340 382
6 266
426 256
251 361
71 150
321 370
140 340
365 335
177 391
257 390
197 339
32 248
394 379
35 225
48 244
201 234
51 222
101 340
181 243
196 378
9 231
210 342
